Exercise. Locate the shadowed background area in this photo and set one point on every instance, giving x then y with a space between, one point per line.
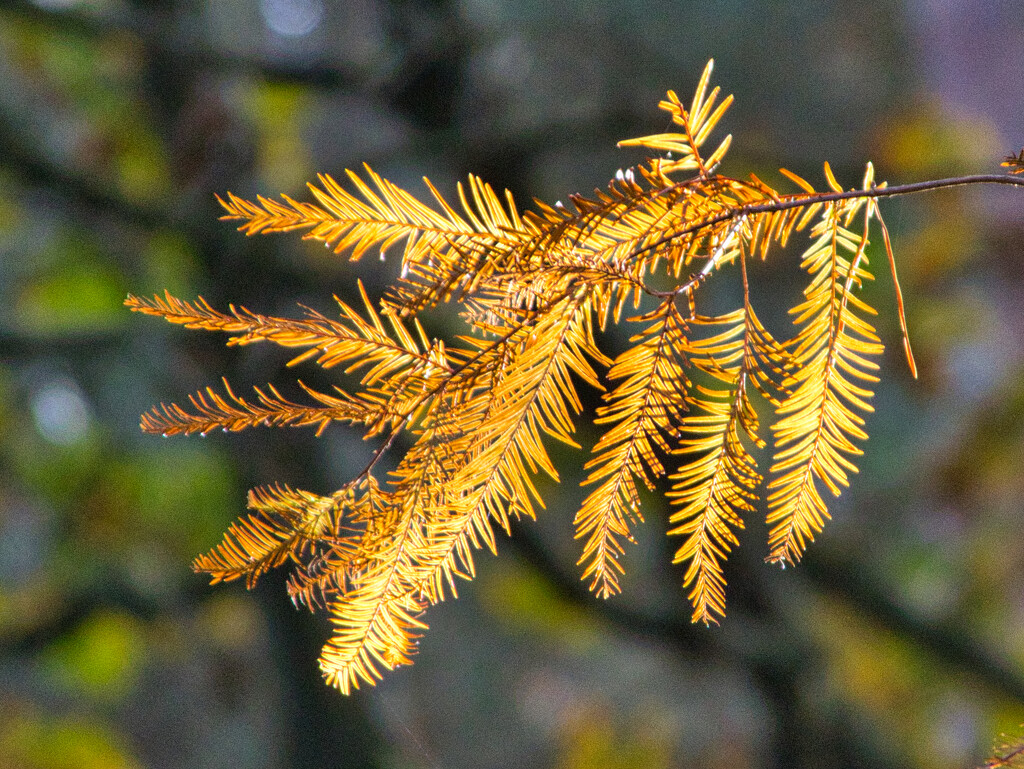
899 641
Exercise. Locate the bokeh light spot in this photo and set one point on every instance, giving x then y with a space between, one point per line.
61 413
292 18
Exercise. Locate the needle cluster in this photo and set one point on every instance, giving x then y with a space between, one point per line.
689 398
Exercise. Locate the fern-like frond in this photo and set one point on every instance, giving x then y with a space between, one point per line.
399 369
370 631
643 409
284 522
333 561
376 621
713 492
454 521
820 420
381 215
354 340
232 413
535 397
715 488
445 251
697 124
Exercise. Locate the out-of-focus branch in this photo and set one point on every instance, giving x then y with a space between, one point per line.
36 171
947 643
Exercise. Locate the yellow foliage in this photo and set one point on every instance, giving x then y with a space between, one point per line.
476 409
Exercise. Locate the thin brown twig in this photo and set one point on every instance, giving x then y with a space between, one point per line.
800 201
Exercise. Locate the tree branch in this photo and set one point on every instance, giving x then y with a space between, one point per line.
790 202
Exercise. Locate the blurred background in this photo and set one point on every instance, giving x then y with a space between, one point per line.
898 642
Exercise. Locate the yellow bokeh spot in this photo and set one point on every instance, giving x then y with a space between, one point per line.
103 656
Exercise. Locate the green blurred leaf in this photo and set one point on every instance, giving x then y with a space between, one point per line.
524 601
57 473
76 298
102 657
33 743
278 112
168 264
141 163
181 495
